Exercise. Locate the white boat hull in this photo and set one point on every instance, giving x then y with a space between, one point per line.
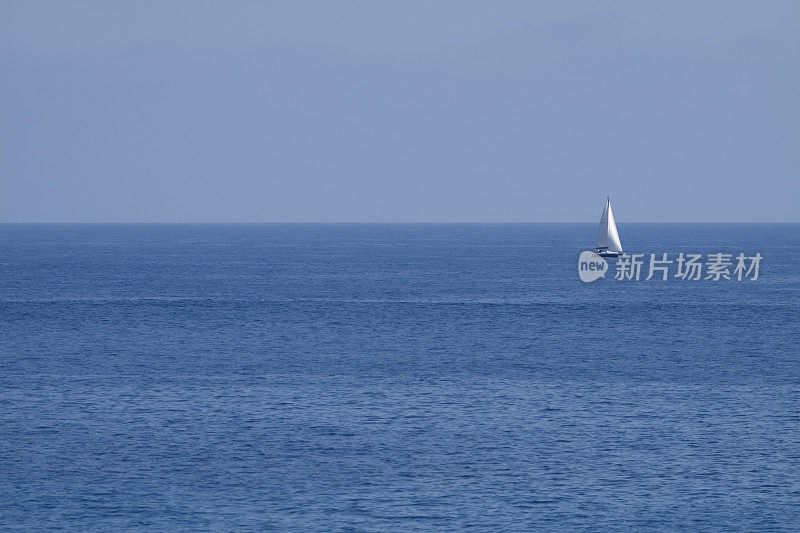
607 253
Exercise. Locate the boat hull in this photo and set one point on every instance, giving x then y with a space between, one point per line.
607 253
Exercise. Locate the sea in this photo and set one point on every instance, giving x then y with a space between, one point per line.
397 377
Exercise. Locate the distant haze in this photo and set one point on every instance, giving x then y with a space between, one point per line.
399 111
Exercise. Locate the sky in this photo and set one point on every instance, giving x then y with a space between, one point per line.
399 111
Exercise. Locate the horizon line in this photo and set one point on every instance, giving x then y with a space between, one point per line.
320 222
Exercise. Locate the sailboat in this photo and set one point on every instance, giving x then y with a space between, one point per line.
608 244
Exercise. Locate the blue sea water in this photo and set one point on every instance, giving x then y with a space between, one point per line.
393 378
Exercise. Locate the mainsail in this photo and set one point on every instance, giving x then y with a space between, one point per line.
607 236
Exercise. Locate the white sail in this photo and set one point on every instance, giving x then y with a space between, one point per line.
607 236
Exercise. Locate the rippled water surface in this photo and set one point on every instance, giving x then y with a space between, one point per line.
393 378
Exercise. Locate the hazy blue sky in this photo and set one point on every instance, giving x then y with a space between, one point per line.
399 111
